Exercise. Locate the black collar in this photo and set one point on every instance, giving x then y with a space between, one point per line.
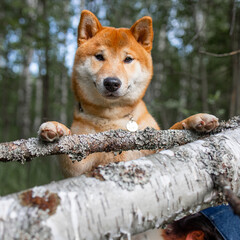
79 106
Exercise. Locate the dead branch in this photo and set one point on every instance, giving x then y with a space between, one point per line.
80 146
221 55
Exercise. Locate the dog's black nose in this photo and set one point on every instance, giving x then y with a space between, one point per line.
112 84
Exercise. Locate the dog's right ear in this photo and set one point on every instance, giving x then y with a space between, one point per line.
142 31
88 26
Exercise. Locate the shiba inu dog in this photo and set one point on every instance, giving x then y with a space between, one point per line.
111 72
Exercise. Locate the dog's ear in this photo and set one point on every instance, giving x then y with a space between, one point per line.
88 26
142 30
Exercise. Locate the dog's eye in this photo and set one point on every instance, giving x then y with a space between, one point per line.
99 57
128 59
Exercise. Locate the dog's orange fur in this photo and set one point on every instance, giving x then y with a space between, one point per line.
102 110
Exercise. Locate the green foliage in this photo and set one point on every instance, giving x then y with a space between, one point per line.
38 26
15 177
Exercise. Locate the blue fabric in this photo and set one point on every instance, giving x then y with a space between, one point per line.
226 222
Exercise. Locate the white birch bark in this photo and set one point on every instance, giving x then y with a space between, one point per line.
120 200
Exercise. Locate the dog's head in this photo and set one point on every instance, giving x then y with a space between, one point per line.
112 65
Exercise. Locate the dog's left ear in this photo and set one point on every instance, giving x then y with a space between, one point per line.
88 27
142 30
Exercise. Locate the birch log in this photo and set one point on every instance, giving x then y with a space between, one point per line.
126 198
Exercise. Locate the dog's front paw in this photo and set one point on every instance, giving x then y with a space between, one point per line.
51 131
201 122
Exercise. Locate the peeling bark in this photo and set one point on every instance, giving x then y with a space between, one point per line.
79 146
126 198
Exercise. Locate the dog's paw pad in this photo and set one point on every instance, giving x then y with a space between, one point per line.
204 122
52 131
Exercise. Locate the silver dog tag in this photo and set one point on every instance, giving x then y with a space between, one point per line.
132 126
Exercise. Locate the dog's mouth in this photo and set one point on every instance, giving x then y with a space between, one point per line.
115 95
111 96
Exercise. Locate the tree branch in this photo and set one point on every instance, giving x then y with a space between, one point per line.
79 146
122 199
221 55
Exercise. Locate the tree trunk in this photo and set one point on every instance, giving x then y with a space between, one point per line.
27 95
200 27
45 77
64 97
45 89
25 91
38 102
82 5
64 85
235 40
4 98
126 198
184 82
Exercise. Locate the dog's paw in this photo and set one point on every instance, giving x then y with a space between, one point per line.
51 131
201 122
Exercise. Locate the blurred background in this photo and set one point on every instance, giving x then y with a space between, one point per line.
37 46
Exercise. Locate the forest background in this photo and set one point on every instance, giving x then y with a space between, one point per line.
37 46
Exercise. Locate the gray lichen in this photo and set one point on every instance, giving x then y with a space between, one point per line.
220 157
232 123
126 175
78 147
215 156
27 225
13 152
27 213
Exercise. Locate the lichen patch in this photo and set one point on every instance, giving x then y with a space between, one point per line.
126 175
